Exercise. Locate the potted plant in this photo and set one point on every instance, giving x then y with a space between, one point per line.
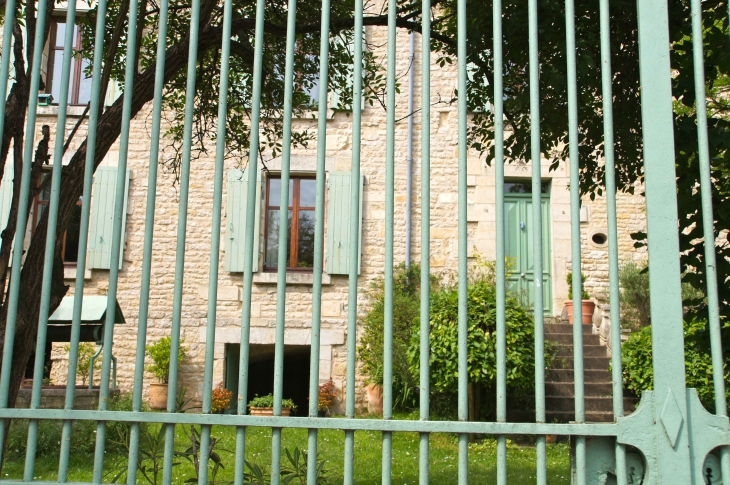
375 398
327 398
159 352
264 406
588 306
220 399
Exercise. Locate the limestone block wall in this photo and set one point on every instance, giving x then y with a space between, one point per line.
195 278
630 218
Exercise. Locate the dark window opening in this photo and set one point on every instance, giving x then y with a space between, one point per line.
300 230
599 238
261 373
70 243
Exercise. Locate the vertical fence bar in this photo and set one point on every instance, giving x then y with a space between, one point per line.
500 241
144 297
14 292
357 93
4 77
83 236
425 317
610 175
463 346
389 222
324 49
283 230
41 338
251 243
708 226
181 236
577 281
535 153
119 208
672 458
215 236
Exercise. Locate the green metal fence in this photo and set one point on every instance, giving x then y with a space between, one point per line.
670 431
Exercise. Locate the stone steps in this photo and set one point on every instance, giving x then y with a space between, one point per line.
560 387
588 351
589 363
566 389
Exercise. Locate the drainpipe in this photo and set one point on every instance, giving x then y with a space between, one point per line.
409 159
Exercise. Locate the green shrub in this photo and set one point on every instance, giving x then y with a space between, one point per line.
569 280
83 437
117 432
159 352
638 374
406 311
83 360
268 402
635 300
482 318
634 282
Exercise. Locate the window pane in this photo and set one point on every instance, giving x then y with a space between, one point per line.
56 77
71 248
312 91
272 239
84 84
60 33
307 192
305 250
275 192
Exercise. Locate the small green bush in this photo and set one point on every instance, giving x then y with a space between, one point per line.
634 282
83 437
482 318
159 352
635 300
636 358
569 280
406 311
268 402
83 360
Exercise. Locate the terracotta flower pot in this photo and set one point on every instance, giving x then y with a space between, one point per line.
158 395
587 309
375 399
269 411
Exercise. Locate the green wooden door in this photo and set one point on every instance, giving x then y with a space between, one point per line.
519 247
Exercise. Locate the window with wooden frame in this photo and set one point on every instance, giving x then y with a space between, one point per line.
70 247
300 233
79 87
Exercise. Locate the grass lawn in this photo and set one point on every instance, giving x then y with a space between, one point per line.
443 458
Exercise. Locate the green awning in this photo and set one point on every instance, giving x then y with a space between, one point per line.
93 311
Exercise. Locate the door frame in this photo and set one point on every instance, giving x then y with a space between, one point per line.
547 228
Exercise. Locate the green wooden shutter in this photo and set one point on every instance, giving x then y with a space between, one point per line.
234 246
335 95
104 189
338 223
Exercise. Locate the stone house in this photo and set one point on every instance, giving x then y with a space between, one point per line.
481 221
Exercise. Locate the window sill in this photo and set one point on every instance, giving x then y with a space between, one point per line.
52 110
264 278
69 273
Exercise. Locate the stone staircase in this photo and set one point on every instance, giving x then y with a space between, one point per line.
559 385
